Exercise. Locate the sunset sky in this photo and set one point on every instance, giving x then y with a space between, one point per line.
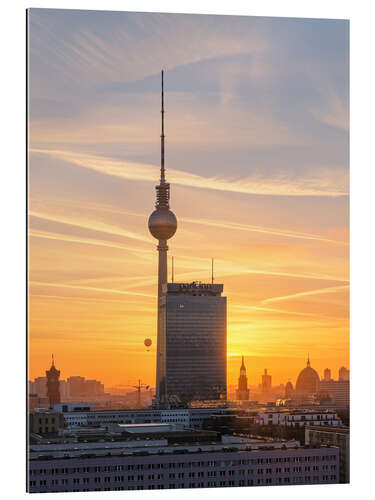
257 153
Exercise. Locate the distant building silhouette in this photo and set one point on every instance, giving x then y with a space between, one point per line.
64 390
242 391
266 382
289 390
327 375
53 384
307 381
76 386
338 391
80 387
344 374
40 386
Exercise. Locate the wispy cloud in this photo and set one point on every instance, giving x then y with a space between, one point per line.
85 241
320 291
91 225
265 230
334 113
225 224
267 309
278 185
89 289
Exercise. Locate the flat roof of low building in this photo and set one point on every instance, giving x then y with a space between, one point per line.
337 429
143 428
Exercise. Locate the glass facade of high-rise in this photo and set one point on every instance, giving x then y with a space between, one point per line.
196 343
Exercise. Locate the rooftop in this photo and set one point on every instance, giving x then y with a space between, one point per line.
194 288
144 447
337 430
146 428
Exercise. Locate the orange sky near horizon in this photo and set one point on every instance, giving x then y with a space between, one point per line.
260 188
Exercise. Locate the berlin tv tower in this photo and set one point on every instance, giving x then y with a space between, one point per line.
162 225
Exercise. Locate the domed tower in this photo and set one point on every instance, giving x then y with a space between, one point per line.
308 380
162 225
53 384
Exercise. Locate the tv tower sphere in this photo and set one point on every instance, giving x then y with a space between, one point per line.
162 223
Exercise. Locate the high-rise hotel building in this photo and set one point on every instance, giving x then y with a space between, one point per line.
196 342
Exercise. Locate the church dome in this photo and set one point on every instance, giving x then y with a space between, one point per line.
308 380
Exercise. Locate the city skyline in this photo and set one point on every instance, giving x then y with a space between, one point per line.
256 383
250 187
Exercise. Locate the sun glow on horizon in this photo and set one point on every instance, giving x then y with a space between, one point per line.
259 183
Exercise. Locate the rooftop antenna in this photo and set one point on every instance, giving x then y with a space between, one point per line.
53 361
162 171
212 270
172 269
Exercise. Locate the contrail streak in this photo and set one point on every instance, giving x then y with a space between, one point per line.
332 289
90 289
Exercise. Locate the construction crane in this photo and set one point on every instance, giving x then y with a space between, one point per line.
139 387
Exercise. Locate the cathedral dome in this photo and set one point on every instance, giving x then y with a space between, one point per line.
308 380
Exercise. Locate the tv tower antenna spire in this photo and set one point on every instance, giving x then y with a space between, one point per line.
162 169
